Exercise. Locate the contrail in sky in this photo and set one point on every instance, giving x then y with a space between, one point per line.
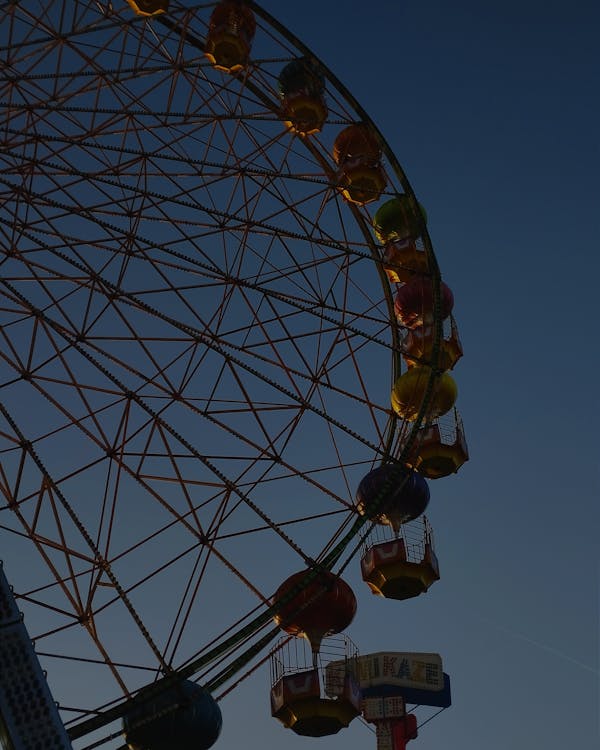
543 646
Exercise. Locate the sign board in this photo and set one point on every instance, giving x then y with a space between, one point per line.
421 671
378 709
385 740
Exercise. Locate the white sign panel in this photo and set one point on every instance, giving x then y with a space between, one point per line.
378 709
384 737
422 671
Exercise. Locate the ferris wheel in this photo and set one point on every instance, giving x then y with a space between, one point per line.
213 273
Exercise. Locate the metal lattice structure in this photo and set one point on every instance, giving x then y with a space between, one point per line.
197 342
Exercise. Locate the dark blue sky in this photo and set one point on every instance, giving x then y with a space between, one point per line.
492 110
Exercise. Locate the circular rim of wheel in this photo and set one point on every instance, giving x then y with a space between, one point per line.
44 216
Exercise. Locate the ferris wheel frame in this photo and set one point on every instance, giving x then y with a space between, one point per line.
333 556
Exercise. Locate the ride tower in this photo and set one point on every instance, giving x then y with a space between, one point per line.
28 715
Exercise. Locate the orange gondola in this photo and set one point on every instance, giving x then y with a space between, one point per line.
230 32
357 153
